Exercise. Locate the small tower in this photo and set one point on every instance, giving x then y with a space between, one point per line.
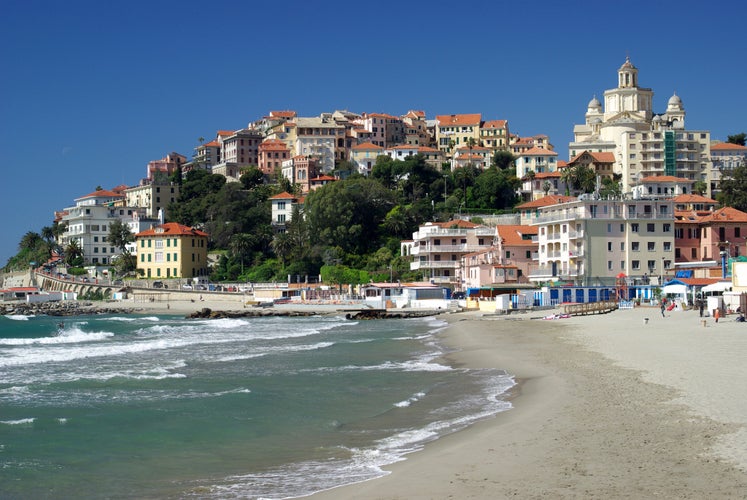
627 75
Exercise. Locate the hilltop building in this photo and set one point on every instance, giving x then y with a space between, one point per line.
642 143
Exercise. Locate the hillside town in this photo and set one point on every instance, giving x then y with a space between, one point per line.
660 226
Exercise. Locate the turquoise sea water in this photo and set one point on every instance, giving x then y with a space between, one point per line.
275 407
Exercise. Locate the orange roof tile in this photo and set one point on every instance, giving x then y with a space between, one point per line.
458 223
224 133
536 150
727 146
282 196
726 214
273 145
546 201
469 119
283 114
102 193
171 229
495 124
693 198
368 146
665 178
428 150
512 234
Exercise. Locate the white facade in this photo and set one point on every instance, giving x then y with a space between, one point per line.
593 241
151 197
88 223
643 143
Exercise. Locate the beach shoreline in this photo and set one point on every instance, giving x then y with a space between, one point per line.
591 416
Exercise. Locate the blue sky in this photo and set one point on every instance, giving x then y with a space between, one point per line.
92 91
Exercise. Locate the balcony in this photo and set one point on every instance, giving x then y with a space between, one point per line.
434 264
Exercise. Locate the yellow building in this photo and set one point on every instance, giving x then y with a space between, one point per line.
455 131
172 250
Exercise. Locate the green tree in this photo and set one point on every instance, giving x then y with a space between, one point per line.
700 187
240 244
73 254
495 189
737 139
252 177
120 236
734 188
503 159
348 214
282 245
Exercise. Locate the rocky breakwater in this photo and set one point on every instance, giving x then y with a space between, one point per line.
386 314
207 313
58 309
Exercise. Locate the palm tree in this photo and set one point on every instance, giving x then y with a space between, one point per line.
240 244
546 187
531 174
471 143
30 240
73 253
282 245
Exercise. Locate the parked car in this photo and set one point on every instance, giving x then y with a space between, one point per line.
158 284
186 287
117 282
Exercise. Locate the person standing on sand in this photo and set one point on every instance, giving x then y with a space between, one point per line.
702 306
662 309
716 314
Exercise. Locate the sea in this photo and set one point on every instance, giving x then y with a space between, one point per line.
135 406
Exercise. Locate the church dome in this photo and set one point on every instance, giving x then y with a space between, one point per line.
675 100
627 64
594 103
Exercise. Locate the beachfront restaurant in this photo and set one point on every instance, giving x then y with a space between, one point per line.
397 295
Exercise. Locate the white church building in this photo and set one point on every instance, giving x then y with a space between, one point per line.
643 143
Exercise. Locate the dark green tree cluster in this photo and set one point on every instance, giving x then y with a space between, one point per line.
36 248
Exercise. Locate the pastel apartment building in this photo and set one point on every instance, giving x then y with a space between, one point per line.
172 250
153 198
239 149
88 224
495 135
437 248
282 209
594 241
453 131
272 154
704 235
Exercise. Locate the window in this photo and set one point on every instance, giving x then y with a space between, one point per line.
651 246
609 246
667 246
652 264
667 228
634 246
622 265
737 232
609 265
636 265
650 228
634 228
622 246
693 253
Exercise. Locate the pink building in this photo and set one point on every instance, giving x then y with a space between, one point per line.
272 154
166 165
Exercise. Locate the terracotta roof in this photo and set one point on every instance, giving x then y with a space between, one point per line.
283 114
324 178
102 193
403 146
726 214
428 150
273 144
470 119
727 146
474 148
699 281
215 144
171 229
546 175
665 178
282 196
416 113
546 201
605 157
225 133
562 163
511 234
693 198
368 145
495 124
536 150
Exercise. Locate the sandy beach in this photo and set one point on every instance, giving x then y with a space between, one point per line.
608 406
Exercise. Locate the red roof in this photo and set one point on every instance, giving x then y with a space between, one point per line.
511 234
171 229
536 150
283 114
368 145
666 178
727 146
282 196
726 214
546 201
494 124
102 193
694 198
470 119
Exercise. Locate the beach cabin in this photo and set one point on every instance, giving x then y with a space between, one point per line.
19 293
412 295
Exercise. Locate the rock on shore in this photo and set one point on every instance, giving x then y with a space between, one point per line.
59 309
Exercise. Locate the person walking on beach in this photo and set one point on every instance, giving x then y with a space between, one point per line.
716 314
663 307
702 306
